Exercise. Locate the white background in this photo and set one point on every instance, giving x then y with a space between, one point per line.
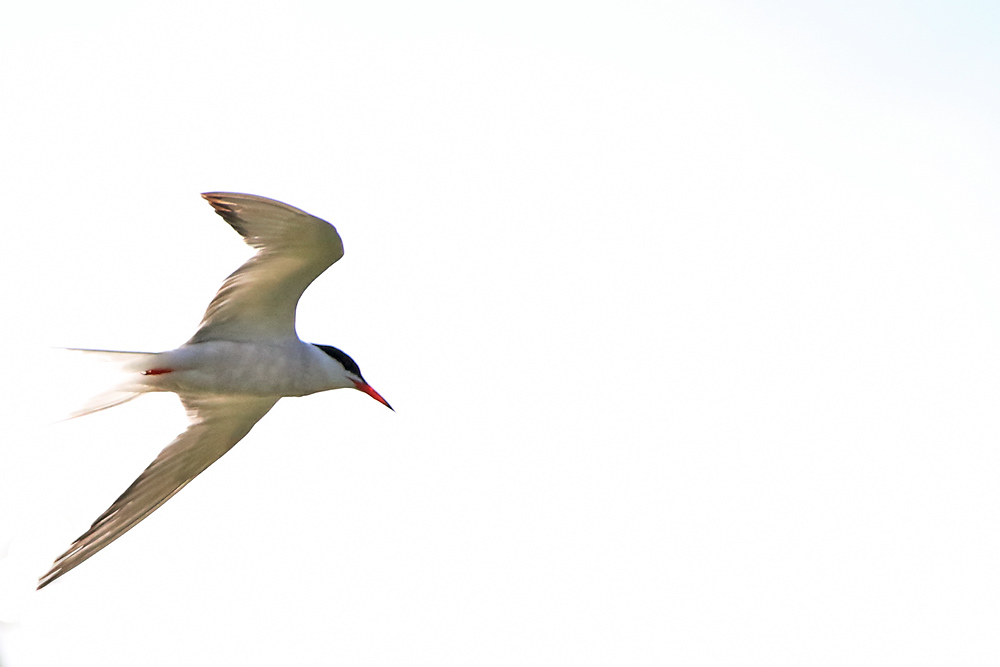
688 312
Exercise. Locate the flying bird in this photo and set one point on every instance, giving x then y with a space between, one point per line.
244 356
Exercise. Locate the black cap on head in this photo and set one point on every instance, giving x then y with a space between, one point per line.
342 357
352 367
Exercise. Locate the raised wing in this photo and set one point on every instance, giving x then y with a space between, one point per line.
257 302
217 423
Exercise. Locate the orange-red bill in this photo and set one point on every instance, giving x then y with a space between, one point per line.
361 386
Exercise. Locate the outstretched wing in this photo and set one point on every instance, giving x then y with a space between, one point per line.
257 302
217 423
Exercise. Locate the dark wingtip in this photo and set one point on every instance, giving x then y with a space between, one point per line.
47 578
228 210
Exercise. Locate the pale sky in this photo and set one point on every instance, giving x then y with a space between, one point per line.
688 312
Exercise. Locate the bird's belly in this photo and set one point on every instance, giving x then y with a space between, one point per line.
249 369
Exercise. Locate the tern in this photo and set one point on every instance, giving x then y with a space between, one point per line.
244 356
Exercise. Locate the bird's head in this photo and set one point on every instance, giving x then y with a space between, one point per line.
352 372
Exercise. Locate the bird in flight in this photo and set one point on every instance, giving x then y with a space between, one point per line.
244 356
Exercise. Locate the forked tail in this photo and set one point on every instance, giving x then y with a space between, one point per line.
123 392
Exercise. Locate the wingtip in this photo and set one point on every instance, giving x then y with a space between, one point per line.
214 198
48 578
62 565
226 199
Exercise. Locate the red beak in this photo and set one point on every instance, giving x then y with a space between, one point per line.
361 386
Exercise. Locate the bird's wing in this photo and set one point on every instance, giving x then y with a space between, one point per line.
217 423
257 302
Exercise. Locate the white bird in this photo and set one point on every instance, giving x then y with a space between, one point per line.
244 356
